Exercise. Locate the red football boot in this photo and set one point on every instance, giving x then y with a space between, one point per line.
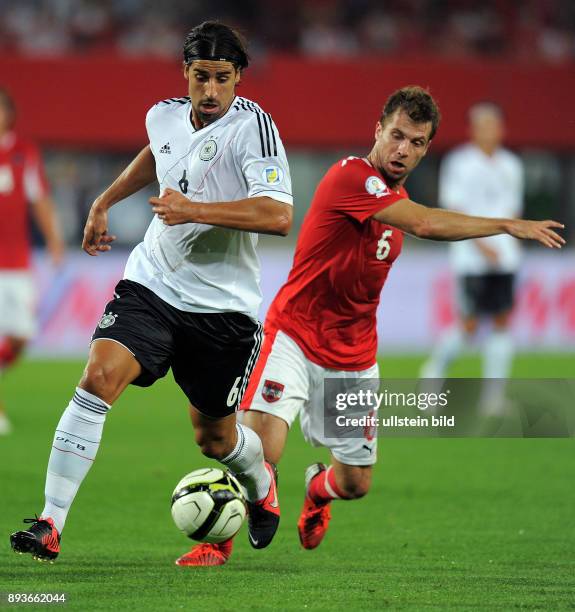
42 540
314 518
207 554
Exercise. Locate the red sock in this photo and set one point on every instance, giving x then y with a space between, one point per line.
7 353
323 488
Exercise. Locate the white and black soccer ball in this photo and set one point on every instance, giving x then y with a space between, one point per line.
208 505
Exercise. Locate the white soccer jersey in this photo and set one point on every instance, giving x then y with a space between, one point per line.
487 186
203 268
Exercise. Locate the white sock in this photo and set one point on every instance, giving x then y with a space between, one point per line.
246 462
5 425
498 354
448 347
74 449
497 359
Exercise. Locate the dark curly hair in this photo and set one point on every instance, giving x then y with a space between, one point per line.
417 103
217 41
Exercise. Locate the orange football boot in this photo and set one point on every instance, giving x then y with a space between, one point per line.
207 554
314 518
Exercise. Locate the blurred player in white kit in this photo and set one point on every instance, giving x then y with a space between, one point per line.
482 178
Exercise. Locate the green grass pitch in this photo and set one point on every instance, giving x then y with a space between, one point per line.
449 523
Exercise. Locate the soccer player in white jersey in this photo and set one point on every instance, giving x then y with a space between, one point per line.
190 294
482 178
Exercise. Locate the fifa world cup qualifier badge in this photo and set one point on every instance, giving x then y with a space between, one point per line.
272 175
375 186
107 320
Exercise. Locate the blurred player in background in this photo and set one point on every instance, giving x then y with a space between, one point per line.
322 323
190 294
23 188
482 178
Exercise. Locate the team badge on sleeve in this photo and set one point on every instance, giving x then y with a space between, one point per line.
375 186
272 175
272 391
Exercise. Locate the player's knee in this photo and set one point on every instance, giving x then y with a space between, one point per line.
502 321
470 326
356 490
101 381
214 447
17 346
355 485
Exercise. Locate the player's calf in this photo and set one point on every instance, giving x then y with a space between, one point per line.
350 481
10 350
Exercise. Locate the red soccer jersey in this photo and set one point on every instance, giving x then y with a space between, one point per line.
22 180
328 304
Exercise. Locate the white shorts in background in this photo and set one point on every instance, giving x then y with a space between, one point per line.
290 385
17 304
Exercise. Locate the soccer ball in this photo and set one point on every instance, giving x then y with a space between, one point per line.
208 505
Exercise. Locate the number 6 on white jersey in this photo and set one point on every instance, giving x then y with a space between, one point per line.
383 246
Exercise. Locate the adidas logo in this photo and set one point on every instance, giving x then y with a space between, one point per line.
166 148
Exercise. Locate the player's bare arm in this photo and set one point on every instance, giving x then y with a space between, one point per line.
488 252
139 173
44 212
262 215
437 224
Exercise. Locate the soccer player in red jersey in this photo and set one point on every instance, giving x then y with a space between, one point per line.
322 323
22 182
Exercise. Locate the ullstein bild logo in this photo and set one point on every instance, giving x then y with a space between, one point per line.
451 407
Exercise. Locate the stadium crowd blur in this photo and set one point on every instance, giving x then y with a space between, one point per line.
520 32
524 30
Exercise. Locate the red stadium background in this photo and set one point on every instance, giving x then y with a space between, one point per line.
101 101
98 104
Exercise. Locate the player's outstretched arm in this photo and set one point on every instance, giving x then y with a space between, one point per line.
438 224
44 212
140 172
262 215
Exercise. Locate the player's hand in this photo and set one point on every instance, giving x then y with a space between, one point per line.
172 208
96 238
537 230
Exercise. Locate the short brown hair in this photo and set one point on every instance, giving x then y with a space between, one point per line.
417 103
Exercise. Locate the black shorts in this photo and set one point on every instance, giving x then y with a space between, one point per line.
485 294
211 354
